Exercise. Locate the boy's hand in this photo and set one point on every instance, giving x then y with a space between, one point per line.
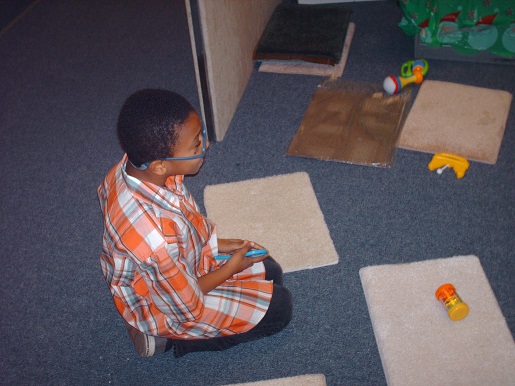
228 246
239 262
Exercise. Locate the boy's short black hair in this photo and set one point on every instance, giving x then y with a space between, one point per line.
148 122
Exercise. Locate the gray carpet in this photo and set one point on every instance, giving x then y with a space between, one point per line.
65 69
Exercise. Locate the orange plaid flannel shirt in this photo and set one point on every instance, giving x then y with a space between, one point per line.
155 246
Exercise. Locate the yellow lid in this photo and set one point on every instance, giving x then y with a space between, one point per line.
458 312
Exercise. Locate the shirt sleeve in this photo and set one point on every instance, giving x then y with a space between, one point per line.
174 291
168 283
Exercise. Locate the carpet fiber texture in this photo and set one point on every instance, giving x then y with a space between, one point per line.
419 344
300 380
279 212
455 118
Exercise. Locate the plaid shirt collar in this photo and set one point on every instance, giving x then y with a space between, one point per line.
165 197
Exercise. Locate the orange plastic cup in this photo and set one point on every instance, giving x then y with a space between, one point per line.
456 308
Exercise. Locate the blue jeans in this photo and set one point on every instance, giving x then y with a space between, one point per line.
276 318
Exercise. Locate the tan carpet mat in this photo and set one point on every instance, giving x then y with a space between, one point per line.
280 212
419 344
454 118
300 380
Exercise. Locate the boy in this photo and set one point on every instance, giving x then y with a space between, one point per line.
158 251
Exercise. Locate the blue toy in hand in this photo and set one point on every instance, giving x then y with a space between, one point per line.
252 253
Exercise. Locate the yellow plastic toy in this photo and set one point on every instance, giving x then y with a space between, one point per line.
456 308
442 161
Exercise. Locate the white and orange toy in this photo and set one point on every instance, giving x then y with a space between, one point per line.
411 72
442 161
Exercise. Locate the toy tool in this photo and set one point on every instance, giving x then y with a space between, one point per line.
456 308
442 161
411 72
252 253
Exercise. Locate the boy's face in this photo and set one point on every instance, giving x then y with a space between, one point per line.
189 143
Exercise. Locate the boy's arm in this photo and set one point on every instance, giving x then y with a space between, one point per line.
228 246
213 279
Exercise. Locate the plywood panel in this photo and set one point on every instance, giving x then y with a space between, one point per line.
230 32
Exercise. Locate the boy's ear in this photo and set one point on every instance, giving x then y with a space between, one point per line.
157 167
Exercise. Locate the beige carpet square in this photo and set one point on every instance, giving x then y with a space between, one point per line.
454 118
419 344
279 212
300 380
